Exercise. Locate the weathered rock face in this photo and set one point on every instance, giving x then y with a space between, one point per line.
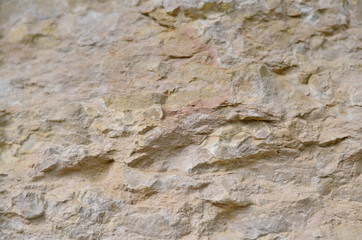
181 119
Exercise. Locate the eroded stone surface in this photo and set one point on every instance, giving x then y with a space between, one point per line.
180 119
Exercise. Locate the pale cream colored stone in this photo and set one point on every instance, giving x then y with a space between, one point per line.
180 119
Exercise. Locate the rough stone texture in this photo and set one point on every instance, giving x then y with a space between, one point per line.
181 119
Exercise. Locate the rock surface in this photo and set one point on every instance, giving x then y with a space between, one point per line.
181 119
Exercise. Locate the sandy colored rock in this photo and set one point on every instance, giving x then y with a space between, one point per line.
180 119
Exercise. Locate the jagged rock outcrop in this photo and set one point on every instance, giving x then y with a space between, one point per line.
181 119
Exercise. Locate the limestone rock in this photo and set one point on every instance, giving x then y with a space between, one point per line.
180 119
29 205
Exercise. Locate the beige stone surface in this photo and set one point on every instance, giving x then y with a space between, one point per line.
181 119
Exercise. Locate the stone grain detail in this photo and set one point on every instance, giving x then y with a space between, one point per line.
180 119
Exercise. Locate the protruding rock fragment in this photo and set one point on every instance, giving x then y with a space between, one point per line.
29 205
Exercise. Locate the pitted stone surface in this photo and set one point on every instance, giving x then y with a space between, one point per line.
180 119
